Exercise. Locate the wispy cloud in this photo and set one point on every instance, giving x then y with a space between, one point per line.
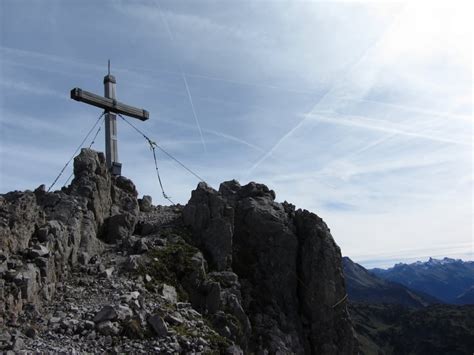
59 59
339 206
214 132
387 259
274 147
413 109
31 88
380 125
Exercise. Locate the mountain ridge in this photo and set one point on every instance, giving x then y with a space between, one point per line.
446 279
363 286
93 267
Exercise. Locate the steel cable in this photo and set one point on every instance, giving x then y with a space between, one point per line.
75 152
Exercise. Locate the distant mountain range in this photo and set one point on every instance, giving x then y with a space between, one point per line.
362 286
449 280
393 313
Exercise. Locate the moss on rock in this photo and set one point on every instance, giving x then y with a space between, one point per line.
170 264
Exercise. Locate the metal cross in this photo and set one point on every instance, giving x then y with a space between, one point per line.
111 106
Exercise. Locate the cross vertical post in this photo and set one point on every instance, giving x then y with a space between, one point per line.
111 148
111 108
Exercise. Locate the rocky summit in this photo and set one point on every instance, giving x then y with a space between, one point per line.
92 268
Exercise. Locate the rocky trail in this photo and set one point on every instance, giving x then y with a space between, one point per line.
109 305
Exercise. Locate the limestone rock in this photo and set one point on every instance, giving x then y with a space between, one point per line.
108 328
213 296
92 181
124 312
107 273
38 250
234 350
211 221
158 325
27 280
169 293
174 319
18 344
31 332
112 200
145 203
19 214
106 313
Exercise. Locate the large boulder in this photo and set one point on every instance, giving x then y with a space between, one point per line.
93 181
211 221
290 283
19 215
112 199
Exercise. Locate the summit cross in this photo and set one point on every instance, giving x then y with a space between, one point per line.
111 107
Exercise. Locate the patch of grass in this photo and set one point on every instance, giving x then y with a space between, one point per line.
178 232
169 264
133 330
218 343
183 330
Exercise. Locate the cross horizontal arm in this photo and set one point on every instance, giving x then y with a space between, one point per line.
108 104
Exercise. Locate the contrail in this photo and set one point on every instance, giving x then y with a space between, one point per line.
233 138
170 33
216 133
236 82
373 144
353 123
165 21
412 109
194 111
360 150
270 152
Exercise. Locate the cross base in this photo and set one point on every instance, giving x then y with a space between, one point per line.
116 168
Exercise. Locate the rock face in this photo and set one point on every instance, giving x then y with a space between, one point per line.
287 263
232 272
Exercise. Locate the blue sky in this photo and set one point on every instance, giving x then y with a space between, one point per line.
360 112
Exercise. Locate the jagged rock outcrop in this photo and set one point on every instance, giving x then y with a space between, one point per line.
232 272
44 234
112 199
287 263
211 220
